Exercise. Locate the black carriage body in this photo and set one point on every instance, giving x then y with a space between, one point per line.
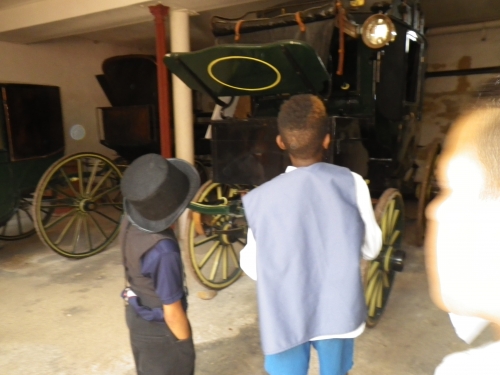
130 126
245 152
374 105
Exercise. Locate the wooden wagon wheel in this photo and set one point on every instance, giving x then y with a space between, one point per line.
215 241
83 190
428 189
379 277
21 225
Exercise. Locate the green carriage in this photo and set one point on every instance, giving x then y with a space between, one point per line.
72 202
366 61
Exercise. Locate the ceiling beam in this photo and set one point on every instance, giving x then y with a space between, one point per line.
49 19
50 11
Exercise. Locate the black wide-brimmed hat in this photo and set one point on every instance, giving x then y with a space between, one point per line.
157 190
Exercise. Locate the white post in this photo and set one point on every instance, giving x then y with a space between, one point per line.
182 98
182 101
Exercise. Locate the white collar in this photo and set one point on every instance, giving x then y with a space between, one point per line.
290 168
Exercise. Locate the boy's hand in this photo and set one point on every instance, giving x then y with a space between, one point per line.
127 294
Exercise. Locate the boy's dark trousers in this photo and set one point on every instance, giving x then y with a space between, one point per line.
156 350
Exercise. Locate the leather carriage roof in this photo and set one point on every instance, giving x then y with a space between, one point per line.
223 26
129 80
284 67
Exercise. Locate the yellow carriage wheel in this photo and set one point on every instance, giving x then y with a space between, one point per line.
215 241
379 274
82 192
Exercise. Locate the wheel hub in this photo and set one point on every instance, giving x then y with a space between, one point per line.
87 205
397 260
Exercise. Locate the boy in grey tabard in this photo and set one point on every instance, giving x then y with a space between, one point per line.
308 231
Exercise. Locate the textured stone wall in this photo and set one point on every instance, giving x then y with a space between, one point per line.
446 97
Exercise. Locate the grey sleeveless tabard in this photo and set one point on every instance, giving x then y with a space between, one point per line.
134 244
309 235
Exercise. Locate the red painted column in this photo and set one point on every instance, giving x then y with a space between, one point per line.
160 12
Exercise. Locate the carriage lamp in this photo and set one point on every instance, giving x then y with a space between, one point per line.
378 31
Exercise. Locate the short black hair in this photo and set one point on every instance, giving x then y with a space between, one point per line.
302 124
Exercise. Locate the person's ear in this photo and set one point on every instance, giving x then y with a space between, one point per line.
326 141
280 143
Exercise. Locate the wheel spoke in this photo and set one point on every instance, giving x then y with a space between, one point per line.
208 239
394 221
234 257
385 279
394 237
19 224
62 192
107 217
27 212
373 268
379 294
96 198
241 242
390 210
208 255
59 206
76 236
373 298
387 258
224 263
92 176
216 219
65 230
120 204
80 175
370 289
57 221
97 225
215 266
68 182
383 226
388 221
98 186
87 231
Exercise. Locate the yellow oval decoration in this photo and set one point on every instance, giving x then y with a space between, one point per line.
216 61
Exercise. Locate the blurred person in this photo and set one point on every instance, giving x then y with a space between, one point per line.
463 236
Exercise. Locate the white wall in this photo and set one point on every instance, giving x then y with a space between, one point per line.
446 97
71 64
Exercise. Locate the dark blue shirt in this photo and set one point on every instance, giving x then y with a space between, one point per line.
163 265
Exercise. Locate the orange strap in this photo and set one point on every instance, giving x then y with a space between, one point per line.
341 20
301 24
237 30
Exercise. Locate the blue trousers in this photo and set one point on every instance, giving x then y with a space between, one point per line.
335 358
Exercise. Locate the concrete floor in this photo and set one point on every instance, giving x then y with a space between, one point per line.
65 317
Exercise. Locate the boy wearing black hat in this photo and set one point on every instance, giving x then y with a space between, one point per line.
156 191
309 228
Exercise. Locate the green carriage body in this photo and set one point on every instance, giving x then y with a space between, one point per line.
73 202
31 140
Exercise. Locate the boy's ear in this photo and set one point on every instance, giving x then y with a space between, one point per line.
280 143
326 141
